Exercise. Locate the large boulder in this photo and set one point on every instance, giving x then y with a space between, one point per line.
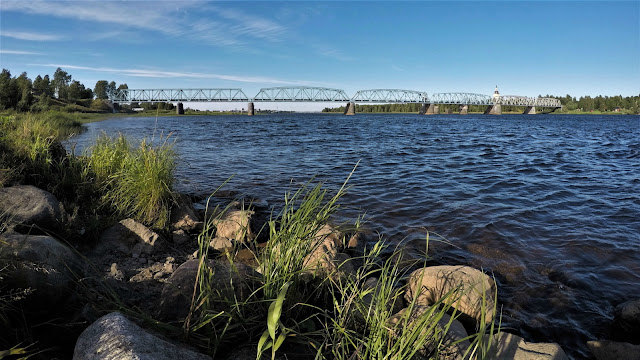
235 225
627 320
25 206
128 237
612 350
114 337
466 286
228 281
40 264
451 344
326 247
505 346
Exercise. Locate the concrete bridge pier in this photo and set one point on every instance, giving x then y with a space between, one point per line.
464 109
179 109
494 109
429 109
423 109
436 110
530 110
251 109
350 109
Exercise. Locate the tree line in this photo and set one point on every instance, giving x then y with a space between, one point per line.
628 104
46 92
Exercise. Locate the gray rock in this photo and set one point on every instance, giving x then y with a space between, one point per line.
228 282
467 286
114 337
507 346
627 318
116 273
220 243
42 264
26 205
611 350
128 237
236 225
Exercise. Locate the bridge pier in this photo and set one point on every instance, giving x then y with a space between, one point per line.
436 109
179 109
350 109
530 110
430 109
448 111
494 110
251 109
464 109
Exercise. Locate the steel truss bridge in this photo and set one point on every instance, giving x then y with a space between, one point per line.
319 94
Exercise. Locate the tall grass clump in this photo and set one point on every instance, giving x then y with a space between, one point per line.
136 181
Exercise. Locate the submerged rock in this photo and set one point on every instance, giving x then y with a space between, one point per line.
612 350
25 206
114 337
627 320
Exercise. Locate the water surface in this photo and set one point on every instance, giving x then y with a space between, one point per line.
548 203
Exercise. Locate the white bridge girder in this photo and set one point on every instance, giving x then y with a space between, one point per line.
318 94
395 96
301 93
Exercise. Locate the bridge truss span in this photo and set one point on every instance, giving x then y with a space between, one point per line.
460 99
301 93
547 102
178 95
396 96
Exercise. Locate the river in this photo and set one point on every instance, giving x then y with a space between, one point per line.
549 203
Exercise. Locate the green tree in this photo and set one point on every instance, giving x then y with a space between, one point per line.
111 87
61 80
8 91
100 90
25 92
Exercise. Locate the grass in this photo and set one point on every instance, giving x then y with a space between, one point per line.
136 181
330 316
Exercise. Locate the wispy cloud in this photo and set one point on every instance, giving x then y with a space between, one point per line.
18 52
29 36
195 20
331 52
177 74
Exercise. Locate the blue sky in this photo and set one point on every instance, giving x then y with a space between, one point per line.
526 48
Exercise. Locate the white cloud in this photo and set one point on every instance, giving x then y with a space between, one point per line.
18 52
175 74
189 19
20 35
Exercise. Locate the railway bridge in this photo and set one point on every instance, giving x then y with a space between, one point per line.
430 102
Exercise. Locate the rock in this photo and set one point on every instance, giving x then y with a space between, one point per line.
115 273
128 237
227 281
611 350
26 205
627 319
430 284
180 237
507 346
114 337
235 225
326 247
42 264
183 215
220 243
451 345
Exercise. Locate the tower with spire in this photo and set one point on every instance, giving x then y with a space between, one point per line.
496 93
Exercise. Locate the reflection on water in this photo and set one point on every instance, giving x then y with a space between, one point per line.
548 203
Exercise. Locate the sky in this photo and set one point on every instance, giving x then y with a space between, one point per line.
525 48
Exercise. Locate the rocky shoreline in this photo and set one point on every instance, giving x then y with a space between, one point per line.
127 296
